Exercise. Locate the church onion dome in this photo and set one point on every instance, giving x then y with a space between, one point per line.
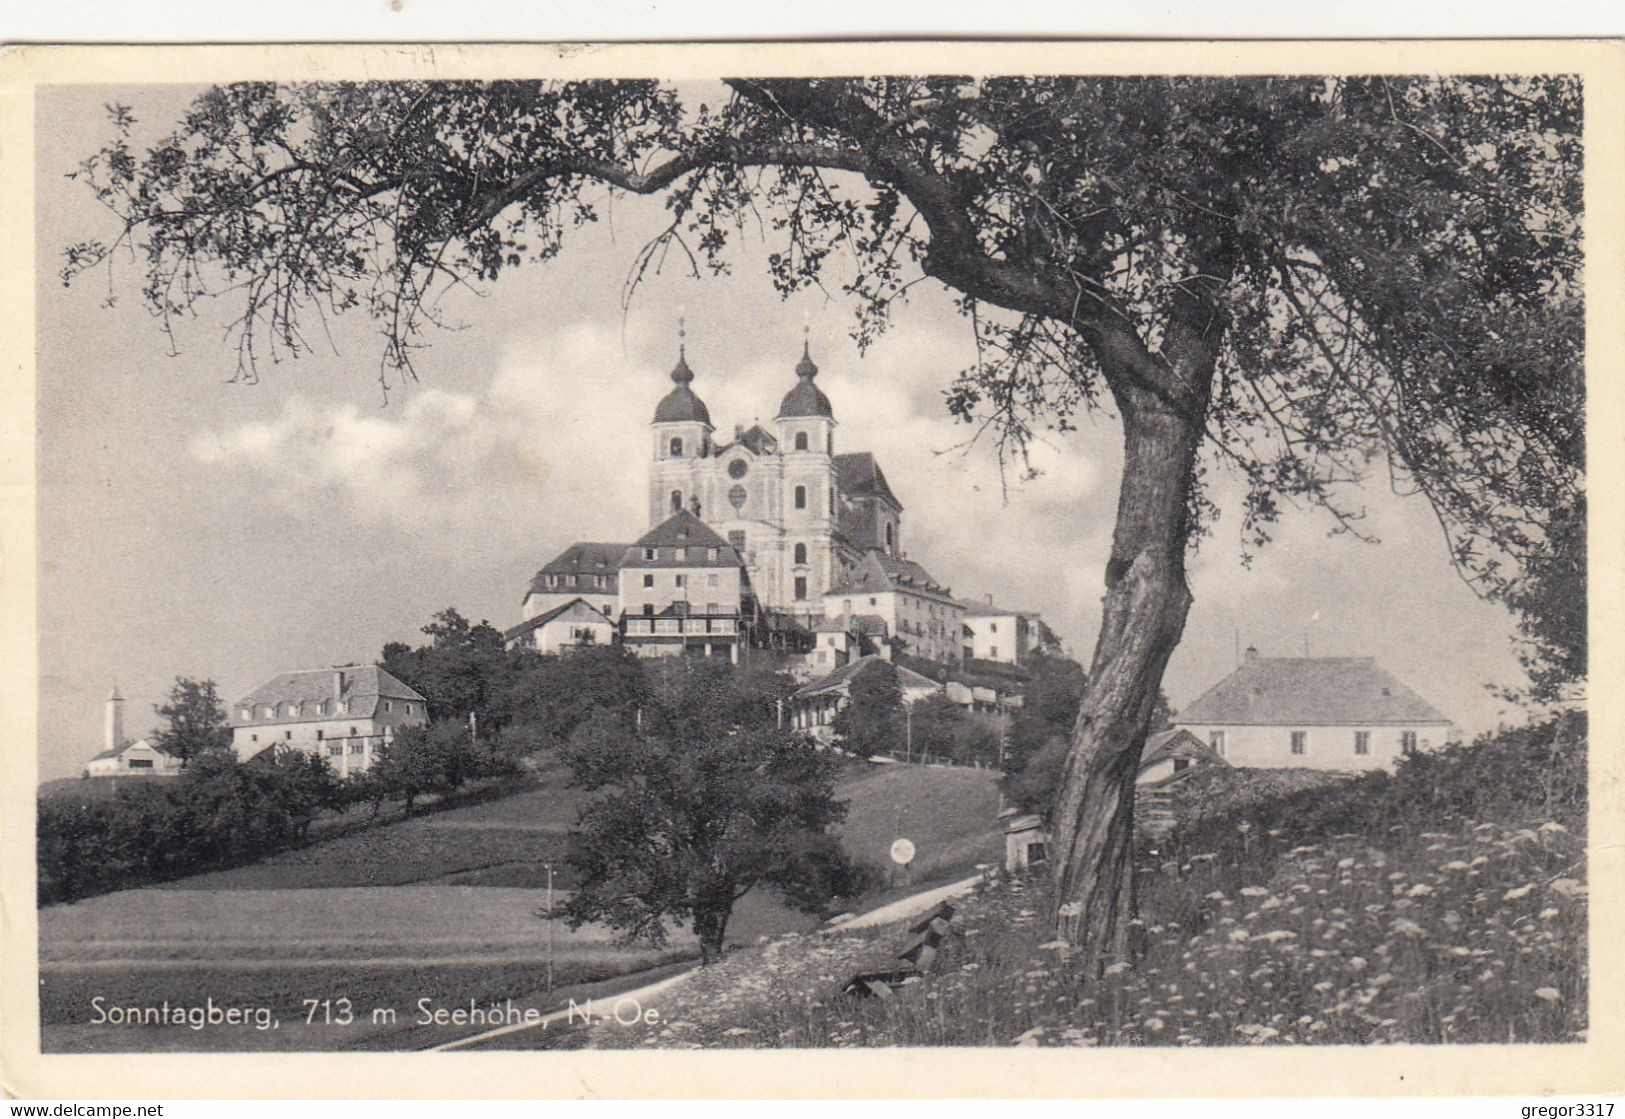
806 399
681 405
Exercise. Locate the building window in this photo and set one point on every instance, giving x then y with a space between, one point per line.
648 580
335 751
801 440
1407 742
648 553
648 608
676 448
713 608
676 501
140 763
1362 742
352 732
356 747
678 580
245 714
736 540
829 442
871 602
801 553
319 736
1215 739
711 554
1300 742
253 738
832 501
801 587
993 652
287 735
712 580
888 536
846 606
801 497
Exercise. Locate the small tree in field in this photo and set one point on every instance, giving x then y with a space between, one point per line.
871 722
693 815
196 720
420 760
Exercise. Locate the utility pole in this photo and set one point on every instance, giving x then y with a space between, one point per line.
550 923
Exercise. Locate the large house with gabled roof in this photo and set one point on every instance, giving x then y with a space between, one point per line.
1335 713
346 714
587 570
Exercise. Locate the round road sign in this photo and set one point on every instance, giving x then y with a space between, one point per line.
902 852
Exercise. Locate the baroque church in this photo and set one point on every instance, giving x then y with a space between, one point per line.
801 515
771 538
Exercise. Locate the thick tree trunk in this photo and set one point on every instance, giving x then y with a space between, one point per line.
1146 603
711 915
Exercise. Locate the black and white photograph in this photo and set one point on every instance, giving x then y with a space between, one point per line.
556 551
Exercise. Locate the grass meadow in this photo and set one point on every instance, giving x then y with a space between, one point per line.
447 905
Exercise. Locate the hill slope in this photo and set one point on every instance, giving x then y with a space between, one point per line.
1445 904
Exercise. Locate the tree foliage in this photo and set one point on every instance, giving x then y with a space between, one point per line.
698 809
871 720
459 672
219 812
195 720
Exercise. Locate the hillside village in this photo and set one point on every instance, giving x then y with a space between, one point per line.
776 548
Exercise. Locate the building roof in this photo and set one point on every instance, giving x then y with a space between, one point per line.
362 682
543 618
986 609
882 572
129 745
681 530
581 558
806 399
835 681
859 475
681 405
1176 743
1335 691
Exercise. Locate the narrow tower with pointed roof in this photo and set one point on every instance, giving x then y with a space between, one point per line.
682 433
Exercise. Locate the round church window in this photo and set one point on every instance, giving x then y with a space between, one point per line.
737 468
736 497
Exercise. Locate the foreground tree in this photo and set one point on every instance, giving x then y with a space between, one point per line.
195 720
699 809
1305 280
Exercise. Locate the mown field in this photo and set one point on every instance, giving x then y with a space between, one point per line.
1445 905
447 905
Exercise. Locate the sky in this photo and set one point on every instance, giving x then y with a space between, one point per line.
193 526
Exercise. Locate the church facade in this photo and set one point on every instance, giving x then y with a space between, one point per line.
800 512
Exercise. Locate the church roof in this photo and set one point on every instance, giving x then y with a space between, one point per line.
681 530
681 405
362 682
1335 691
859 475
806 399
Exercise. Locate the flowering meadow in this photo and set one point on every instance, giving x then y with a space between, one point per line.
1420 925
